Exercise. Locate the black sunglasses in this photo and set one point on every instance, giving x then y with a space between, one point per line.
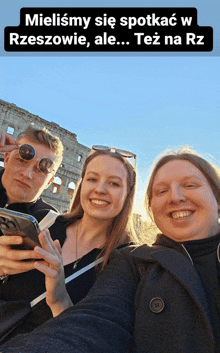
27 153
123 153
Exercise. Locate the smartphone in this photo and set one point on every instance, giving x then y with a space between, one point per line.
26 225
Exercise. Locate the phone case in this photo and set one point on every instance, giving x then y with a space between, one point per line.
12 221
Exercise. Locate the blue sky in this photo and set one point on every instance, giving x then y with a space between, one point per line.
144 104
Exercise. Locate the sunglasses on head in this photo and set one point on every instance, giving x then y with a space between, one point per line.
27 153
122 153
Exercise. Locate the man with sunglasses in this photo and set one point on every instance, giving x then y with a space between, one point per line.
30 164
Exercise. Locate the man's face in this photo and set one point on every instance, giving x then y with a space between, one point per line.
22 179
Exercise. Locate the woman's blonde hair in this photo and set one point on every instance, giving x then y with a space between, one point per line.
121 230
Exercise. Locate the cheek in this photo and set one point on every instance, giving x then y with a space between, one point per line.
9 167
214 206
206 199
121 198
83 191
155 207
157 214
40 182
82 197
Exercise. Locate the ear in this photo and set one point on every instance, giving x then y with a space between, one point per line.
49 182
6 158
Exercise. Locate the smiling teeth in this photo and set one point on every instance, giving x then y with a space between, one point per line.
99 202
182 214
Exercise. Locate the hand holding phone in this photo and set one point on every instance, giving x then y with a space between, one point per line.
15 225
12 222
13 261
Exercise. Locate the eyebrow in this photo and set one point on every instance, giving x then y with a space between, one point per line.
184 179
110 176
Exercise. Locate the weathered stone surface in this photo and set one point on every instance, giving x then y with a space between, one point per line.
14 120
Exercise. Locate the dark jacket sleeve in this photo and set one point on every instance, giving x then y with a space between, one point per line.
101 322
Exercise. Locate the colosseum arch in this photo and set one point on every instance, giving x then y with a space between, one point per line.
71 189
56 186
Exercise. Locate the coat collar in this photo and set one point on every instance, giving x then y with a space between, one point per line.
179 266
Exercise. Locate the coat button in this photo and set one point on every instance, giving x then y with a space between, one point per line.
156 305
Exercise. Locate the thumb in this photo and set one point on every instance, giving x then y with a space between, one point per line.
57 244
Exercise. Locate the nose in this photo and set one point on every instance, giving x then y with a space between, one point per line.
27 172
101 187
177 194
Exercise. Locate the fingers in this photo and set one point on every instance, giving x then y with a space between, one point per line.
45 240
7 144
48 271
6 139
12 254
16 255
53 269
48 244
11 259
48 257
2 138
50 252
14 267
10 240
57 243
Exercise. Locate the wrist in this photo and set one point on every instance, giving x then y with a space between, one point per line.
60 306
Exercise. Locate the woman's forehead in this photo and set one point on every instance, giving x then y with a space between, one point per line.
177 169
104 164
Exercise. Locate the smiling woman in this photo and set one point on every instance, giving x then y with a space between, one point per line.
183 195
104 188
104 198
183 205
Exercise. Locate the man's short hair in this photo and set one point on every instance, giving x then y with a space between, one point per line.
44 137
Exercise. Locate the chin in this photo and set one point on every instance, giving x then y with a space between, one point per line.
101 218
23 199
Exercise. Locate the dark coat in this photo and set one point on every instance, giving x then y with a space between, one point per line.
149 300
171 308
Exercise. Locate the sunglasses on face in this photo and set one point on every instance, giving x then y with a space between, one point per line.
122 153
27 153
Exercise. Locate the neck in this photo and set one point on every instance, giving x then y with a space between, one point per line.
11 200
92 229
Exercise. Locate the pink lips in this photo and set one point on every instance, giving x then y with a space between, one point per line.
22 183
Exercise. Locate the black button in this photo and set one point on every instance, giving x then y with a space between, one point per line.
156 305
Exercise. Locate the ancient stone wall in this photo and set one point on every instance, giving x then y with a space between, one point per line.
14 120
